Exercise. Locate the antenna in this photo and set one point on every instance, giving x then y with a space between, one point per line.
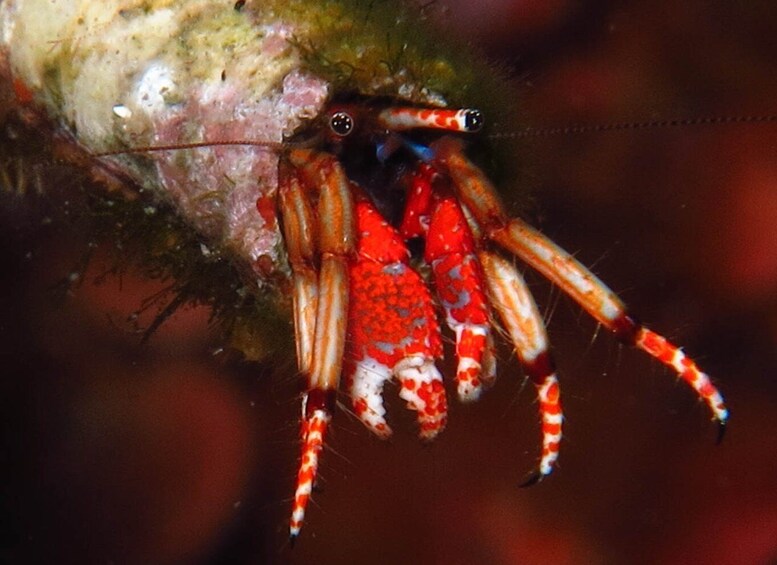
193 145
624 126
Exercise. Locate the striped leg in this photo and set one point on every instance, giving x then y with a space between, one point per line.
323 361
514 235
512 299
299 228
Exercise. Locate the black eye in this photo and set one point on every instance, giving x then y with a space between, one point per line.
341 123
473 120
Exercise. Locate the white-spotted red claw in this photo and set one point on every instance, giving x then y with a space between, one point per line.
458 281
421 387
392 329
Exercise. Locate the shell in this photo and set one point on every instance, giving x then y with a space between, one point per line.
125 74
197 71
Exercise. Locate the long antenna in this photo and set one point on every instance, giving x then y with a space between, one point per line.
624 126
528 132
193 145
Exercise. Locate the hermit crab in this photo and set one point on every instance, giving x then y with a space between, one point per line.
362 311
327 166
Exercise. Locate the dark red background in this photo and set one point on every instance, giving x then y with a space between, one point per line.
120 453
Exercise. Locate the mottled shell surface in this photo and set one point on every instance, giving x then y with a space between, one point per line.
128 74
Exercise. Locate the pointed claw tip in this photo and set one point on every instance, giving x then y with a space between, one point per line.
292 540
469 397
532 479
427 438
721 432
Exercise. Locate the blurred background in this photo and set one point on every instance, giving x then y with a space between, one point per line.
117 452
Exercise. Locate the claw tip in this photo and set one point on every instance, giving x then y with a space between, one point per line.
532 479
721 432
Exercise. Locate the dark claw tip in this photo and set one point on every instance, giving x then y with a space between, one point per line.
292 540
721 432
532 479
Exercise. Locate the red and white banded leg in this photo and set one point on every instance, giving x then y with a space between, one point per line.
335 232
432 211
521 318
514 235
392 329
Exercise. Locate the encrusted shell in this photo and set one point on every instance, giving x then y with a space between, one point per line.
124 74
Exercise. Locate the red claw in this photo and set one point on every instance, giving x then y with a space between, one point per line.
433 211
392 329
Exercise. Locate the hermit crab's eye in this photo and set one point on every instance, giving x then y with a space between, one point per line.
473 120
341 123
